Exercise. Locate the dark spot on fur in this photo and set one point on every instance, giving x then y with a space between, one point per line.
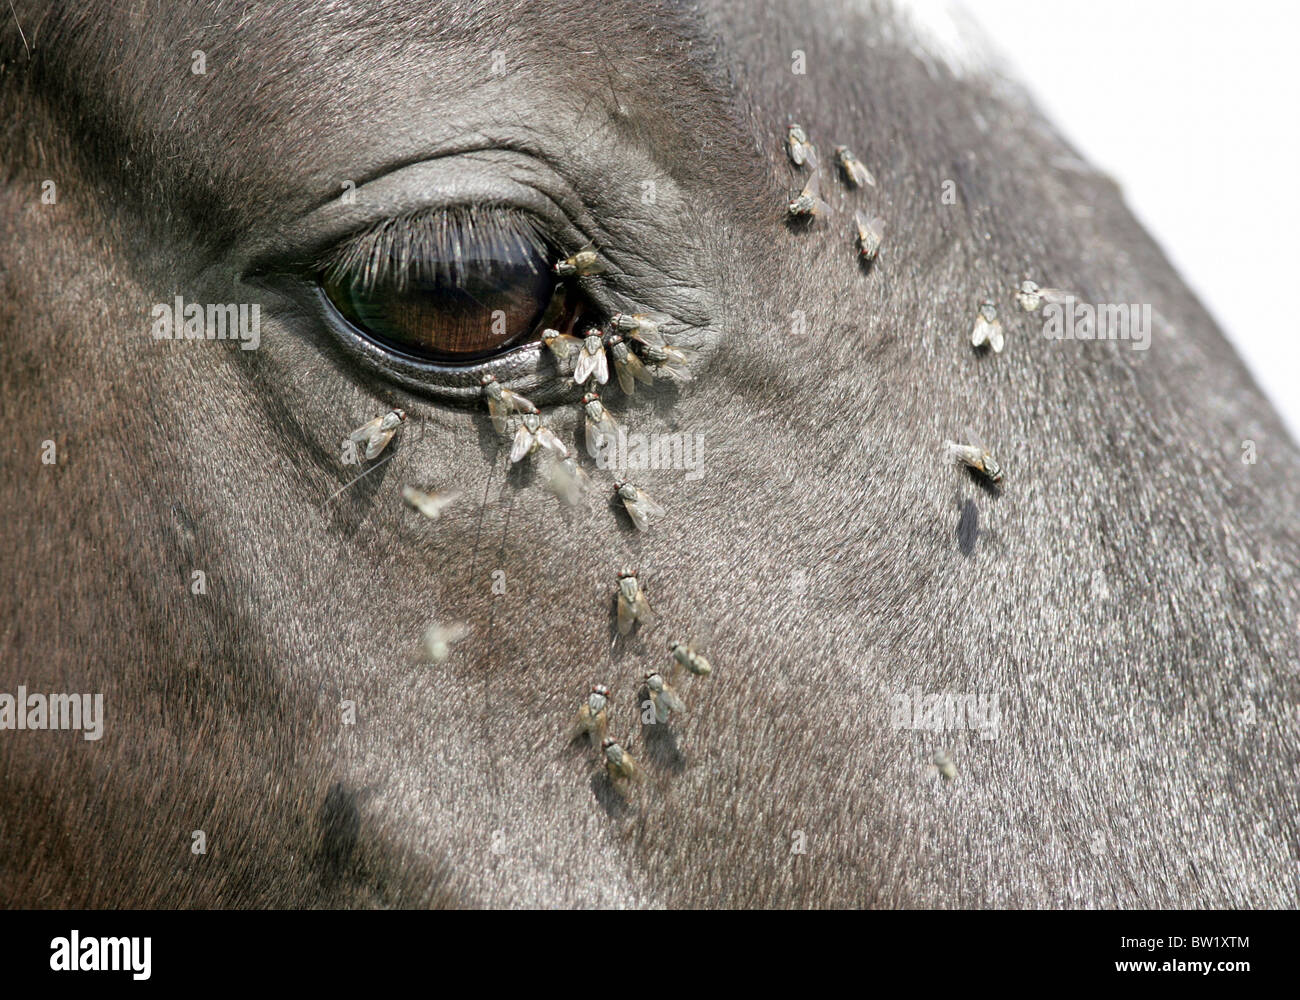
968 527
340 826
661 745
608 793
984 482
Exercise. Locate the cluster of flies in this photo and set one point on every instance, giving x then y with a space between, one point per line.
808 203
868 235
987 334
592 721
635 349
988 331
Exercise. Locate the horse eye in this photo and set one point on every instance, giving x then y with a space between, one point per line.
450 289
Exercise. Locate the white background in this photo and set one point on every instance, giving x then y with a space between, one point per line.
1193 108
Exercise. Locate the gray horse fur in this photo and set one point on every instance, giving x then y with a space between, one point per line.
1130 595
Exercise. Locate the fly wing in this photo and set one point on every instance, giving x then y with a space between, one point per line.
672 700
547 438
641 608
431 505
602 367
861 175
586 365
674 365
523 444
961 454
625 381
637 513
565 482
674 372
813 188
498 410
590 262
626 615
647 332
649 505
517 402
600 432
454 632
378 442
638 369
996 339
364 432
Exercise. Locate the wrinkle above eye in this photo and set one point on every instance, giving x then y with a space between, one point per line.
476 178
644 239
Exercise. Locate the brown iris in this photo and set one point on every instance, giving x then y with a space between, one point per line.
474 307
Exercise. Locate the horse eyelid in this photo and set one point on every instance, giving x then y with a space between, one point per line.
434 243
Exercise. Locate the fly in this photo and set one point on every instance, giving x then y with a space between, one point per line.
663 697
685 656
582 264
1031 296
534 434
632 604
977 457
591 360
627 366
431 505
870 234
640 508
501 402
797 145
567 481
809 201
640 328
854 172
438 639
666 362
988 329
376 434
601 428
562 345
593 715
619 764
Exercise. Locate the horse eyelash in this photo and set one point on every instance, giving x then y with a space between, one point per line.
435 243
